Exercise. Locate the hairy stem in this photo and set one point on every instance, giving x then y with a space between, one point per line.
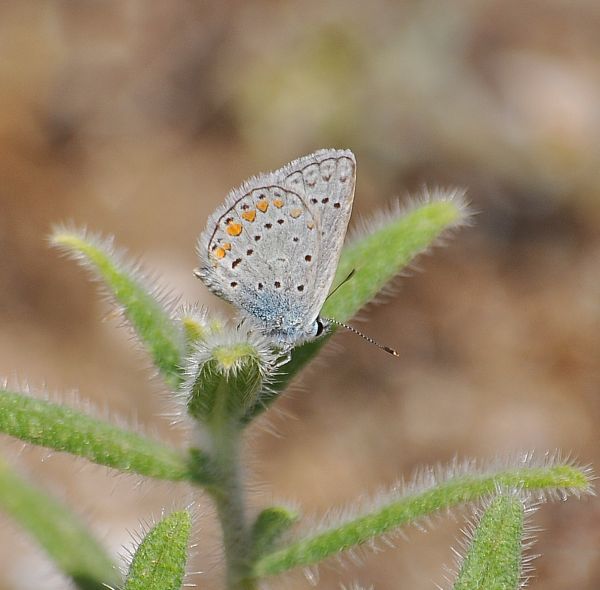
229 500
228 492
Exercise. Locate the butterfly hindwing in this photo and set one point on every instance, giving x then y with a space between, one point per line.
326 180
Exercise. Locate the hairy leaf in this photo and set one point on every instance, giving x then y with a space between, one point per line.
66 541
63 429
160 560
403 510
493 561
143 309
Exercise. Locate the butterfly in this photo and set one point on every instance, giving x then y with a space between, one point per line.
272 248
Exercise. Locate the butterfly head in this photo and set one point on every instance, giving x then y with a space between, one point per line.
294 333
302 334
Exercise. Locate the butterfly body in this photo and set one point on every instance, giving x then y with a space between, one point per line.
272 248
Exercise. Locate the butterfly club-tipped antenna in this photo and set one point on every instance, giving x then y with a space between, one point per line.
364 337
354 330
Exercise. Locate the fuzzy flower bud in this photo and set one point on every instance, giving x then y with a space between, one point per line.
227 372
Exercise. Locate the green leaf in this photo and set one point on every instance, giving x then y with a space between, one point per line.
145 312
493 561
63 429
403 510
376 258
380 255
67 542
160 560
270 524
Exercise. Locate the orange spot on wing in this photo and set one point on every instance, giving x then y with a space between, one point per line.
262 205
295 213
278 203
310 225
249 215
226 246
234 229
220 253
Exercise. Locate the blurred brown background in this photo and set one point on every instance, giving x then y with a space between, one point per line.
135 118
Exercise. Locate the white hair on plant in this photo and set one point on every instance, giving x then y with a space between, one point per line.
249 343
384 217
426 479
231 337
469 531
72 400
387 216
127 552
209 321
355 586
133 268
164 300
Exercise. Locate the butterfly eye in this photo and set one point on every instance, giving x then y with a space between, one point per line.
320 327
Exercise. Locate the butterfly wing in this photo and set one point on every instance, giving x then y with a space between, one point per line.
271 251
259 252
325 180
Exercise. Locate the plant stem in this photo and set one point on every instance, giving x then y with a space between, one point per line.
231 511
229 499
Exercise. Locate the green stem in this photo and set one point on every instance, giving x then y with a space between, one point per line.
228 376
228 493
229 500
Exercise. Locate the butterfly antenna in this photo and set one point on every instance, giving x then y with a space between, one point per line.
364 336
350 275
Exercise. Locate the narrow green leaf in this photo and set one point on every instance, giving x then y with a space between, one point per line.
376 258
493 561
160 560
401 511
270 524
144 311
63 429
68 543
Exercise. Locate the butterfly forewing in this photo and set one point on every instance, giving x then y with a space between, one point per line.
261 256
